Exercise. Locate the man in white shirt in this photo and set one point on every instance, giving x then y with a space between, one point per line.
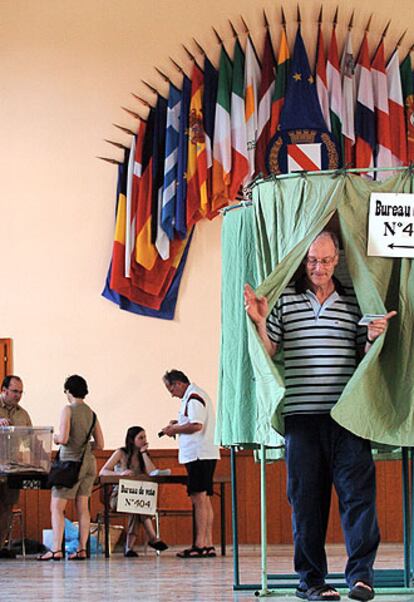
197 451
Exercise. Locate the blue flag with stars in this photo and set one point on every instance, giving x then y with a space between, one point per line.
301 109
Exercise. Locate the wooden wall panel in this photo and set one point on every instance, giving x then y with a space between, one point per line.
177 530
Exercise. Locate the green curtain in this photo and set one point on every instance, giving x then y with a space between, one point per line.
287 215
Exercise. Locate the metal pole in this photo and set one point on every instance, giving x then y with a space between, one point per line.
263 520
406 516
236 565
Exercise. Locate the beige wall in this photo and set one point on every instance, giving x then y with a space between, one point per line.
67 66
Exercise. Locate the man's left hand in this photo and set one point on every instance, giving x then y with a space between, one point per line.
169 430
378 327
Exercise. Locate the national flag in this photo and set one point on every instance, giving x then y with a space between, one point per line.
301 109
408 97
239 159
118 279
197 200
209 113
167 308
222 135
129 235
266 89
321 80
396 106
333 78
169 193
158 236
145 287
348 102
251 86
156 281
282 75
181 204
119 289
364 113
383 157
145 251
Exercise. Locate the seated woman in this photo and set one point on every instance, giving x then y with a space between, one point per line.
77 423
133 460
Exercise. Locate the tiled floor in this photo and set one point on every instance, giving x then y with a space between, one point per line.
162 578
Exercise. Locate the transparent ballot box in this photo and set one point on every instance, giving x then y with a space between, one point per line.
25 449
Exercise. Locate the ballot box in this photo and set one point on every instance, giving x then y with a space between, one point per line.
25 449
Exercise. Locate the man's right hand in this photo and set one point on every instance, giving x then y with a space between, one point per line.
4 422
256 307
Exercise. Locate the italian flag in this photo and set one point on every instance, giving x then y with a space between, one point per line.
239 159
222 135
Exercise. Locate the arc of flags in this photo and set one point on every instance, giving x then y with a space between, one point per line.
198 147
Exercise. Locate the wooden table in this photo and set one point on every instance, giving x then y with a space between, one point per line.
107 481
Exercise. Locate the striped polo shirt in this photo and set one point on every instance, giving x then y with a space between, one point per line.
319 343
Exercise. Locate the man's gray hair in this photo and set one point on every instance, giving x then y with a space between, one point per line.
331 235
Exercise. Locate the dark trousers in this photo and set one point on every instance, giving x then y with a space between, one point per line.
320 453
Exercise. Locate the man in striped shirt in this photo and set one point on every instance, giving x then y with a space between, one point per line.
315 323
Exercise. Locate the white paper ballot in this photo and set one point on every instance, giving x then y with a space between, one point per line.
367 318
160 472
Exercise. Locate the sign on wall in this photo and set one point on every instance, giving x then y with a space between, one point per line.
391 225
138 497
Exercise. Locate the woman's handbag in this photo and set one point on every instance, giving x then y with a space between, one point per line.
65 473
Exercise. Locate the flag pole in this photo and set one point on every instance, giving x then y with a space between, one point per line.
162 75
130 112
124 129
251 41
144 102
117 144
151 88
114 161
335 19
351 21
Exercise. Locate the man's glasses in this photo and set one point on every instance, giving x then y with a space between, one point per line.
312 261
16 391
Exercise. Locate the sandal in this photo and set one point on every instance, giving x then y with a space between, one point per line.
193 552
158 545
316 593
359 592
210 552
130 554
78 555
53 555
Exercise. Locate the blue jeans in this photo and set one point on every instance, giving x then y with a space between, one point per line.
320 453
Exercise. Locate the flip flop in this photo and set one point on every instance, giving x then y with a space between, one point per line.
316 593
210 551
44 558
193 552
158 545
359 592
77 555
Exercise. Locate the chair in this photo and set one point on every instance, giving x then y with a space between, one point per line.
100 527
16 515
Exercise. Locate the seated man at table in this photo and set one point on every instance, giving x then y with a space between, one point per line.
195 427
11 414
